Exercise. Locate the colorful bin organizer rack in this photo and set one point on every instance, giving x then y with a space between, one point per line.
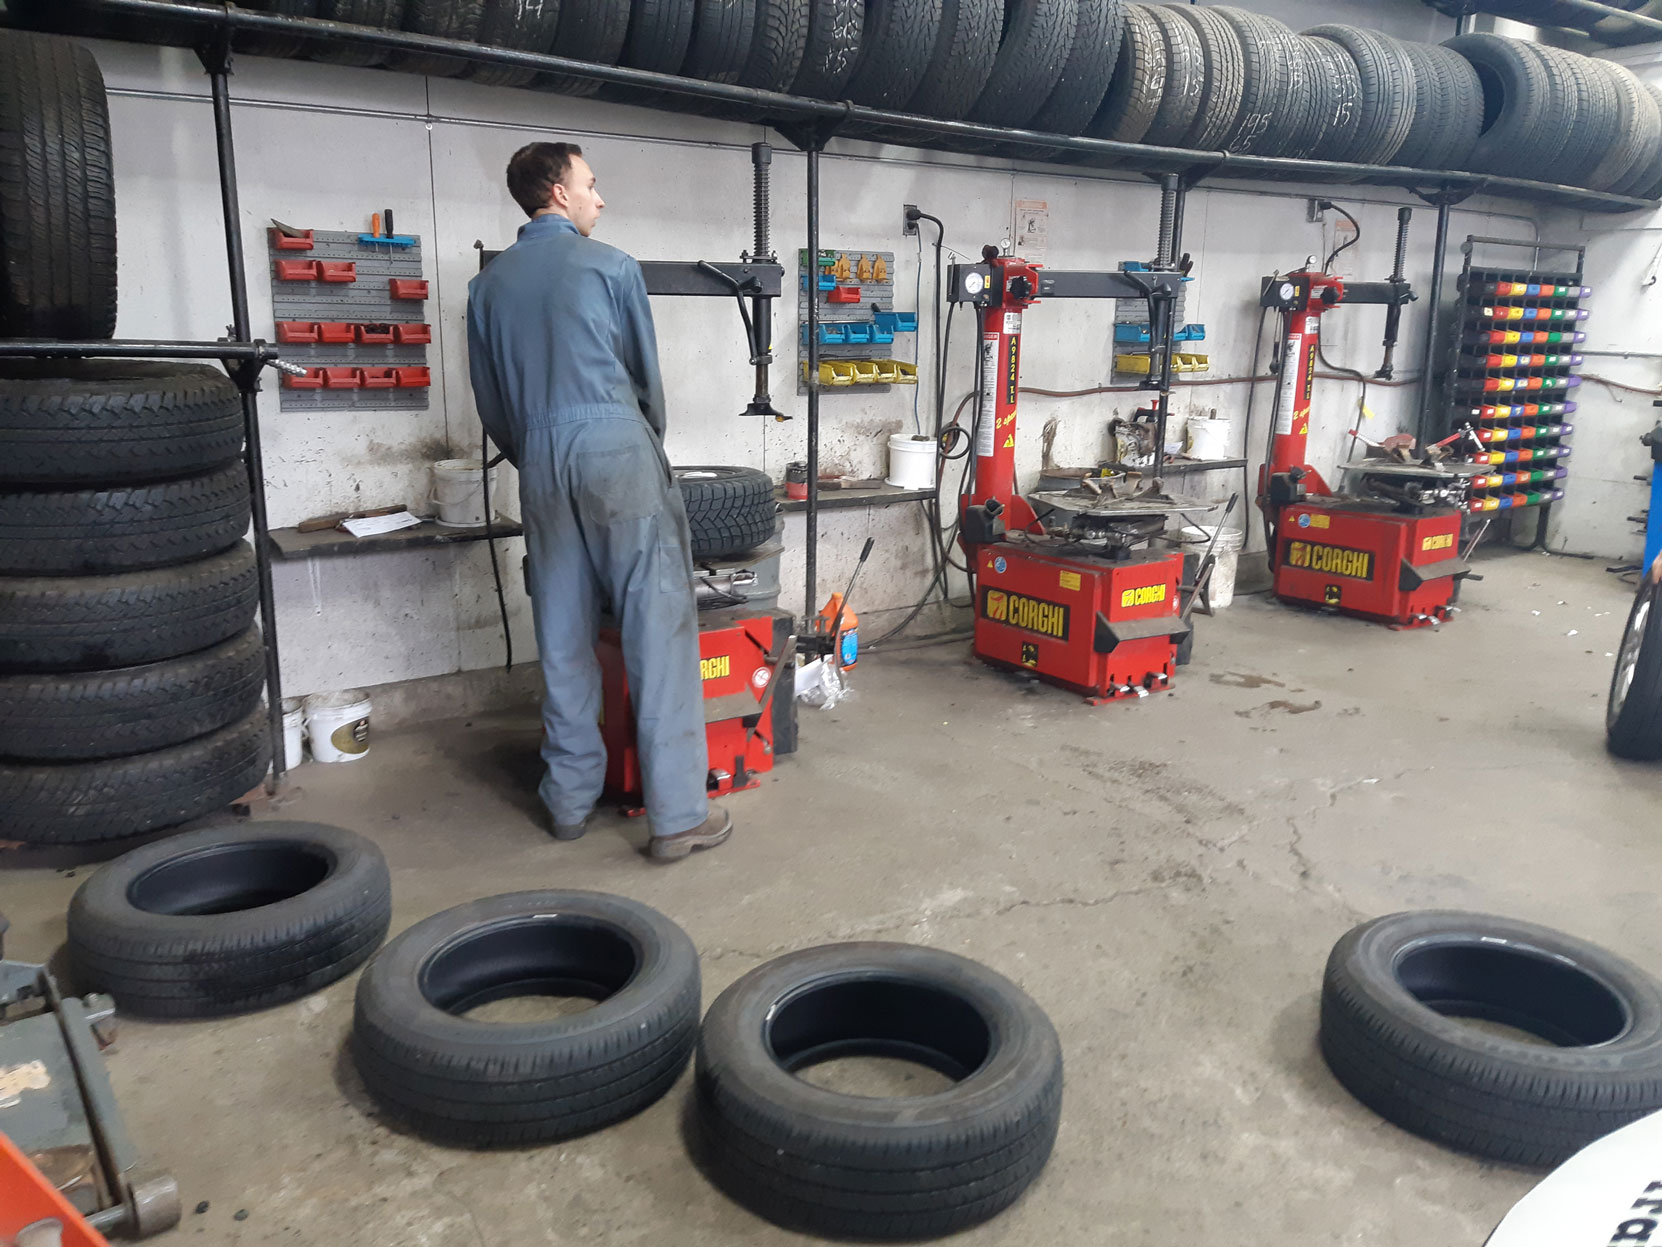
859 328
352 309
1513 377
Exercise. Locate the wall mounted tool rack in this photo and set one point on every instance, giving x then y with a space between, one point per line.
859 330
352 310
810 125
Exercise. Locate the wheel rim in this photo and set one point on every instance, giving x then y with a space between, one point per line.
1627 662
1529 989
231 878
542 955
868 1016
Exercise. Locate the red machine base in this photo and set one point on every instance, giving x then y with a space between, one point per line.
1360 559
737 652
1104 629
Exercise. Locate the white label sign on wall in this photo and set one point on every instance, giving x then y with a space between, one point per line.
1030 229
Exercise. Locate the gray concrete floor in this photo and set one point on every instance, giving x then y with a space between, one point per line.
1166 878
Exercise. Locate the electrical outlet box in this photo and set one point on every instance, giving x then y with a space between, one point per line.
909 222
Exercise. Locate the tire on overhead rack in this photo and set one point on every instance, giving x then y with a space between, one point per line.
778 45
382 14
444 19
88 623
82 802
659 32
1185 83
1640 129
106 714
256 43
1087 71
1137 91
519 26
1448 109
89 532
1275 95
230 919
961 60
1647 172
1031 54
65 422
1597 117
1333 133
57 192
1387 76
721 38
896 46
1308 130
836 30
1220 105
730 511
589 30
1517 102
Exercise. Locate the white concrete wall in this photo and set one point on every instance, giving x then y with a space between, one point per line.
324 146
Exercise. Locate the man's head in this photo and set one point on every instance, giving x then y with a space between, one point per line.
554 177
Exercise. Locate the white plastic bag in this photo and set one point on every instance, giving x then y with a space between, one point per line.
820 683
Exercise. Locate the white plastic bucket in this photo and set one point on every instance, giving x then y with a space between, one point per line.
338 725
1209 439
1196 537
294 717
458 493
912 461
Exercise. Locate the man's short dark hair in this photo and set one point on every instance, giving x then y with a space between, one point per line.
535 170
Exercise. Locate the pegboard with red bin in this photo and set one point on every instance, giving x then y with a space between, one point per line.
353 310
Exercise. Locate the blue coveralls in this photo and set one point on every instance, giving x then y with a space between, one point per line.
565 375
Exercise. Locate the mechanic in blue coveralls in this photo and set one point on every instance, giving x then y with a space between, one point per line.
565 375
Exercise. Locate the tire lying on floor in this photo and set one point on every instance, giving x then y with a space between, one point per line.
82 802
462 1080
848 1166
230 919
1393 998
729 510
1634 721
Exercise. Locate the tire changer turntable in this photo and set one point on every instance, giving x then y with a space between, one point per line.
1388 549
1066 585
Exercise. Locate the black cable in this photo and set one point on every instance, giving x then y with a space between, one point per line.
485 465
1327 265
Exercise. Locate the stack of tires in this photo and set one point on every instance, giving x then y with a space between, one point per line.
130 672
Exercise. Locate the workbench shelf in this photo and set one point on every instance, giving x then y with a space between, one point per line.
329 543
844 499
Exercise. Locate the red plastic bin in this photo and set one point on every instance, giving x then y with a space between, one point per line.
407 288
844 294
338 270
27 1197
282 242
413 378
313 380
341 378
337 333
297 270
375 335
296 331
376 378
412 335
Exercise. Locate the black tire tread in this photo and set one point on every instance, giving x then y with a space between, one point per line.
589 30
721 37
88 623
778 46
729 515
57 192
381 14
1387 76
896 46
80 802
1220 107
90 532
959 66
835 35
1636 733
107 714
1273 98
1030 60
1137 91
1185 84
1333 134
519 25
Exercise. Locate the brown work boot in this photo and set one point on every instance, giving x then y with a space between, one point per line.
711 832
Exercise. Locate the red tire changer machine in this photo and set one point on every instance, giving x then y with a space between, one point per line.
1387 550
1066 587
